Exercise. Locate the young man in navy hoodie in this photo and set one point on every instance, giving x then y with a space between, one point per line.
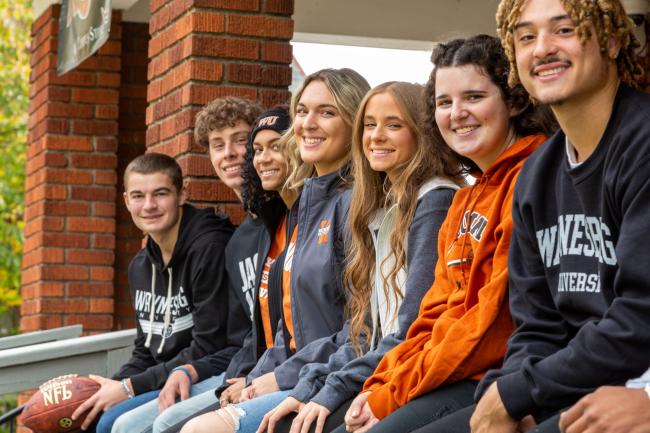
579 279
222 127
178 287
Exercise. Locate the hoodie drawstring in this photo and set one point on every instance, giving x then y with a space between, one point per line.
168 314
484 180
151 307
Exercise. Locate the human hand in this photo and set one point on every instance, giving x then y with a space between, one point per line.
287 406
526 423
233 392
109 394
264 384
246 394
490 415
359 417
311 412
609 409
177 384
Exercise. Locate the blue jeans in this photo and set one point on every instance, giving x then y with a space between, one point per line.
105 423
252 411
145 418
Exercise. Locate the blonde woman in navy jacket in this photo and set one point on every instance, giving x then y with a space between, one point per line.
403 187
312 324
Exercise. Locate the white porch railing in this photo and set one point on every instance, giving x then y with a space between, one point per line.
25 365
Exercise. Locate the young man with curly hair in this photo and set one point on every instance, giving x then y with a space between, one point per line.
579 283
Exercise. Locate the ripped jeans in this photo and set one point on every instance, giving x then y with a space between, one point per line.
426 408
247 416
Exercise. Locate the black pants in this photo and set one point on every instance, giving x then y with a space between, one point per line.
335 419
458 422
426 409
179 425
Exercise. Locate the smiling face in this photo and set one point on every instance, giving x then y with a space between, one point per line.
269 161
553 65
154 203
227 148
321 134
471 114
388 142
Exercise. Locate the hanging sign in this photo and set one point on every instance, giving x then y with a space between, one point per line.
84 26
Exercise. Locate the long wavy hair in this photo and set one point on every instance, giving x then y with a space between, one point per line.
348 88
373 190
486 53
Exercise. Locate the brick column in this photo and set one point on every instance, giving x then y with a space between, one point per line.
132 130
204 49
67 268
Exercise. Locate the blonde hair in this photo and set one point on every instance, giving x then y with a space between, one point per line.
607 17
373 190
348 88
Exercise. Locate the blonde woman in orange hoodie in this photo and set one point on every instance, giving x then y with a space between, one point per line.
464 321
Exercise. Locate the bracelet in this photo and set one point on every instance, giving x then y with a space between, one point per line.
184 370
126 389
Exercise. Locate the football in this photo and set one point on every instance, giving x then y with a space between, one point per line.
50 409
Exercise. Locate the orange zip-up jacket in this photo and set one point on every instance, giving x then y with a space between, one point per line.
464 321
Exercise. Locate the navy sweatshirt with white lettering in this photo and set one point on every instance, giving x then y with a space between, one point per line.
189 297
579 267
241 267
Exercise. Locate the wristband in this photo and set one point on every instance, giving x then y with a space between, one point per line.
184 370
126 389
646 388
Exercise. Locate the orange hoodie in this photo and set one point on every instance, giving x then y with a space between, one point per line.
464 320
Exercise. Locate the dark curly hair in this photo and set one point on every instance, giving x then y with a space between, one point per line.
253 195
486 53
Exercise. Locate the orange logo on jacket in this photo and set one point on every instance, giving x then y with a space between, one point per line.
323 232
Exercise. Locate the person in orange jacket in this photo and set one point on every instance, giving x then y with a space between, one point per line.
464 320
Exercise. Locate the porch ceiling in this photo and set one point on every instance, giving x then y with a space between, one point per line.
407 24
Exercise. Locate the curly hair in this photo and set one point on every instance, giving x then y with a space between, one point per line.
606 17
222 113
373 190
253 195
486 53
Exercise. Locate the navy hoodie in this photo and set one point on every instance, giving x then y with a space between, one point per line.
579 277
242 253
190 300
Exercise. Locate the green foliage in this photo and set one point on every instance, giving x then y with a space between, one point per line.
15 22
7 402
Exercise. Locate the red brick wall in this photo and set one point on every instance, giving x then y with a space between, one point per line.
131 139
67 268
204 49
85 126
